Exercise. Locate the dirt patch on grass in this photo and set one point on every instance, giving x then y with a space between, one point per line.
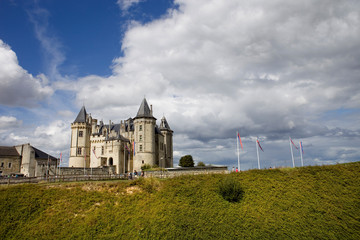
133 189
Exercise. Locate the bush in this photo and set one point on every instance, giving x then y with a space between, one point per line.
230 189
201 164
186 161
145 167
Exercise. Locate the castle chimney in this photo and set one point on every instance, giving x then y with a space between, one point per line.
93 125
151 112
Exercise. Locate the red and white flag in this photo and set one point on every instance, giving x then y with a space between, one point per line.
240 140
293 143
257 140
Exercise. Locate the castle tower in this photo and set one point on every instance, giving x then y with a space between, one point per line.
80 140
144 137
168 142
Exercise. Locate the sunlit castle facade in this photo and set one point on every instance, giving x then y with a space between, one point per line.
127 145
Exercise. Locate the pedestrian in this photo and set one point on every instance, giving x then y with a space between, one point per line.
237 170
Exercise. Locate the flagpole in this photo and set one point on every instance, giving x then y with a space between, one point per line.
238 150
60 164
292 154
84 160
301 156
257 152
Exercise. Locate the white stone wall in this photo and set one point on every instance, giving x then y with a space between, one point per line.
97 142
144 142
14 165
168 148
79 160
28 163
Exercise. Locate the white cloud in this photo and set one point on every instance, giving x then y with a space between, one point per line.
49 42
17 86
8 122
126 4
269 68
54 135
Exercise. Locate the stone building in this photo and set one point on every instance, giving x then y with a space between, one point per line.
127 145
26 159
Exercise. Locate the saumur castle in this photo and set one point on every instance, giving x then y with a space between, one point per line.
127 145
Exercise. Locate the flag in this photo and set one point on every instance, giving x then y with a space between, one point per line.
240 140
259 144
127 148
60 159
293 143
301 147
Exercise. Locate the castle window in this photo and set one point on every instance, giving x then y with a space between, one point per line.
9 164
81 133
140 138
102 150
79 151
140 128
2 164
142 162
140 148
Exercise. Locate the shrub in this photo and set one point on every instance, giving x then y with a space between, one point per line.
145 166
201 164
230 189
186 161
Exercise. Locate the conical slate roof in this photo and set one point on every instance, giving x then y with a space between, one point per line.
164 124
144 110
81 118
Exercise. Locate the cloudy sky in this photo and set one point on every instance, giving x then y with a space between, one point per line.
268 69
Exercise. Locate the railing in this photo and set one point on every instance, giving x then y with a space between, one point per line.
169 173
62 178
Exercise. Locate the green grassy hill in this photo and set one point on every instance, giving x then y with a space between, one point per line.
301 203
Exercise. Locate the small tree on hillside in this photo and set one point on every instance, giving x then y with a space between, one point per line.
201 164
186 161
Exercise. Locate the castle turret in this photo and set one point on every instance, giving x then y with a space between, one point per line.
80 140
144 137
168 142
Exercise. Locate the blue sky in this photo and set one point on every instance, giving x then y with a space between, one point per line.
268 69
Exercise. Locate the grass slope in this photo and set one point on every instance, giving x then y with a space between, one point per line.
301 203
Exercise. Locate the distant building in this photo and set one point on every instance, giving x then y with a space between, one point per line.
26 159
128 145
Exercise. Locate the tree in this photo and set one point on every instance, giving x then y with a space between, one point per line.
201 164
186 161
